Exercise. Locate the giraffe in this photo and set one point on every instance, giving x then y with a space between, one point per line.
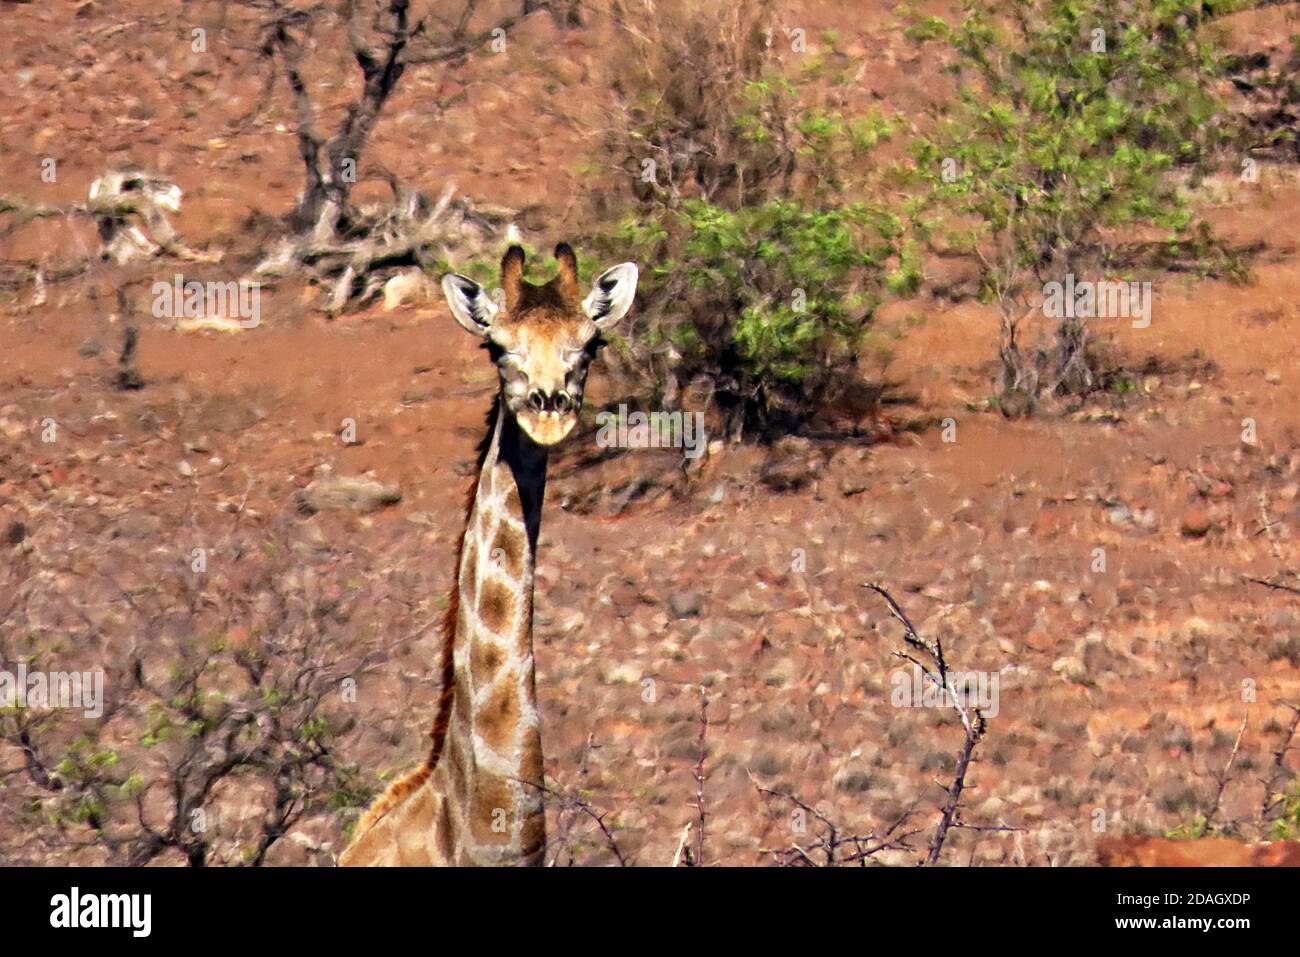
477 798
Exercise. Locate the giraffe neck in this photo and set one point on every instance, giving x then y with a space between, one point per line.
493 739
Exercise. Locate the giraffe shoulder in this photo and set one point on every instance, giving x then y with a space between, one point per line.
398 792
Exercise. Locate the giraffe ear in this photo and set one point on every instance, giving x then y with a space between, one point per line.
471 306
611 295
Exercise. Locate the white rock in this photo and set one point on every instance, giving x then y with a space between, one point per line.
407 287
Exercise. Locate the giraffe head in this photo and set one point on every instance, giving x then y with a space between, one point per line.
543 338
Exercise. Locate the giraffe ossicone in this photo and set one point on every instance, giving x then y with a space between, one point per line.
477 798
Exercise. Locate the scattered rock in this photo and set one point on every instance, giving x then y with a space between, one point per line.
792 465
311 537
210 324
854 781
1098 659
408 286
853 486
1220 490
343 493
128 379
89 348
137 525
16 533
1071 669
685 604
625 600
1195 524
953 277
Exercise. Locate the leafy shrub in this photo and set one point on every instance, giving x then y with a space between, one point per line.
1287 825
1070 118
762 310
758 280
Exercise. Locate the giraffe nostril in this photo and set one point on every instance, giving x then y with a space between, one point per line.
536 401
562 402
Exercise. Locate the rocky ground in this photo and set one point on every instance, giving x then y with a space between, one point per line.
1099 562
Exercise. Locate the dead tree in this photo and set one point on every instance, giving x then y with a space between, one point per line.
207 751
838 846
383 51
935 668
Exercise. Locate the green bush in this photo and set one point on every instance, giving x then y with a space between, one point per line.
1287 826
758 279
1070 118
763 309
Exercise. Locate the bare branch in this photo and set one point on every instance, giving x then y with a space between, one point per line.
972 719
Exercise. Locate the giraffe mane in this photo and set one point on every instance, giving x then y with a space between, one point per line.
413 780
438 733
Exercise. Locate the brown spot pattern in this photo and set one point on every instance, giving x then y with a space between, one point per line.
445 847
491 794
484 660
508 549
496 608
496 721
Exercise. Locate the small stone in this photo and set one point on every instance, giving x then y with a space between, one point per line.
89 348
16 533
1195 524
1098 659
1072 669
312 537
355 494
624 598
185 469
850 487
623 674
137 525
128 379
409 286
685 604
790 466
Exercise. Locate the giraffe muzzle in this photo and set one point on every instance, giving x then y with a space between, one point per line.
558 401
546 427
